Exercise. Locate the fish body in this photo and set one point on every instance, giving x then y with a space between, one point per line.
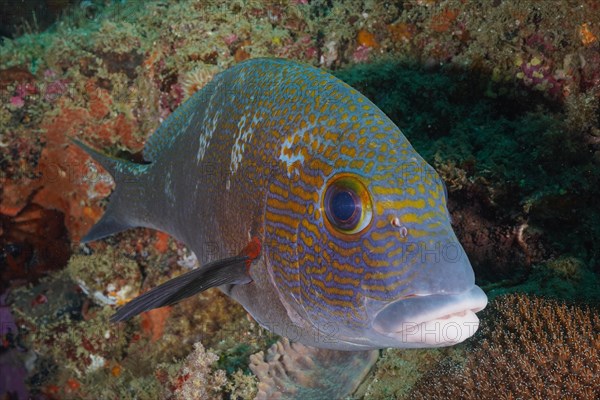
307 205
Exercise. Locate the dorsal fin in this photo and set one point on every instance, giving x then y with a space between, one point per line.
166 133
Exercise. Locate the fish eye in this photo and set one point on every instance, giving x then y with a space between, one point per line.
347 205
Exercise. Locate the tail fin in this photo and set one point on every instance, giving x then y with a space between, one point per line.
129 192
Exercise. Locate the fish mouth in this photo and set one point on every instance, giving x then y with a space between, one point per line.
433 320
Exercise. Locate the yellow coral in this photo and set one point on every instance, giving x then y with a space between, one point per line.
587 37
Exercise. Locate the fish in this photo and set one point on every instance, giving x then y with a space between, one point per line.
305 204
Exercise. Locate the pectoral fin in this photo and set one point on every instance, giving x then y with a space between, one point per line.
232 270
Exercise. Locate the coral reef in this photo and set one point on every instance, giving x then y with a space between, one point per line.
565 277
79 354
294 371
529 347
30 15
195 378
242 386
196 79
34 238
501 97
397 371
112 281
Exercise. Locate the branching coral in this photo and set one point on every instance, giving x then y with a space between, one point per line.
242 386
531 348
196 378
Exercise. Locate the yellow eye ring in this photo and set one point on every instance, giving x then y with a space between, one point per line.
347 205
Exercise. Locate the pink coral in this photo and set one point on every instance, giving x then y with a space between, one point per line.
539 75
301 49
361 54
26 89
22 91
17 101
55 89
230 39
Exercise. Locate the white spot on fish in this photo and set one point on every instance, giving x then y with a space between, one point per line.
209 124
206 135
244 136
402 230
169 187
291 156
187 123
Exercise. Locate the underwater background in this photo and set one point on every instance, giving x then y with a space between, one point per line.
501 97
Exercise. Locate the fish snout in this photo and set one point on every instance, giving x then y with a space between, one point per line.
442 267
433 320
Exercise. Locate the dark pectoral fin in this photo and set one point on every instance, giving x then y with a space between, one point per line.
233 270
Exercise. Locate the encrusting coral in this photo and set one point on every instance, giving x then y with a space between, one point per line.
113 280
295 371
397 370
196 378
531 348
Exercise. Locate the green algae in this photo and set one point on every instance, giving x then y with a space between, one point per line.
565 278
236 358
398 370
517 139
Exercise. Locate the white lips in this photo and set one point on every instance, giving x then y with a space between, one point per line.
451 329
432 321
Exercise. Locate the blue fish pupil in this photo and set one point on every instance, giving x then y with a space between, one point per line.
343 206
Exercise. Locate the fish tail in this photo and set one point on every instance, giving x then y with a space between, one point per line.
124 200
